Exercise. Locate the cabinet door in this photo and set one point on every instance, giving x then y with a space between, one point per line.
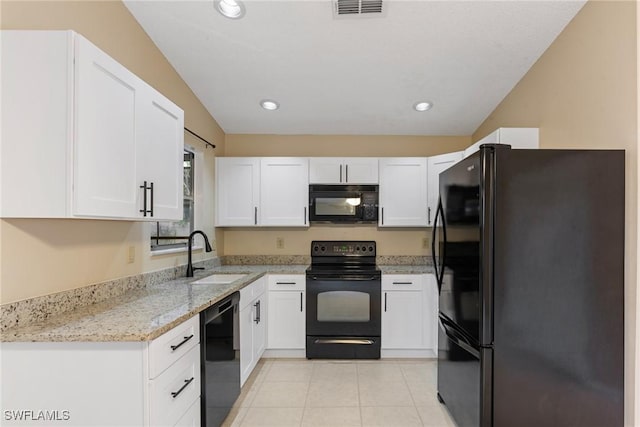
159 159
403 192
326 170
360 170
435 165
286 320
402 320
106 139
284 191
237 186
431 313
247 360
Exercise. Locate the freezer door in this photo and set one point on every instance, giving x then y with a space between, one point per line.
464 378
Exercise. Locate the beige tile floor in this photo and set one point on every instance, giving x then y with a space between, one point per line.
296 392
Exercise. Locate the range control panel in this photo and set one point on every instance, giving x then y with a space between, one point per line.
343 248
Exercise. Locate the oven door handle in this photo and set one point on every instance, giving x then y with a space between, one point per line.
343 278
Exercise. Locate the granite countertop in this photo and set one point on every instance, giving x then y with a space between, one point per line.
406 269
144 314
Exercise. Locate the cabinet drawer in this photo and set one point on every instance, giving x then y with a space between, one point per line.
192 417
287 282
249 293
170 346
402 282
173 392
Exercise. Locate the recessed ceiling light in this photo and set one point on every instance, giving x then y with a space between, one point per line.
233 9
269 104
422 106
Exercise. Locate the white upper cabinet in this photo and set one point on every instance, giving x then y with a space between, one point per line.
516 137
339 170
237 191
164 125
106 112
284 191
267 191
435 165
403 192
101 144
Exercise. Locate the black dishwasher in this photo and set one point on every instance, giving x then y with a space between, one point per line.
219 360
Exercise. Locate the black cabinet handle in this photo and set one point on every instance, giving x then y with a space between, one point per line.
305 215
285 283
301 302
382 215
255 215
144 198
257 306
403 283
346 173
151 210
340 173
429 215
146 188
385 302
175 394
177 346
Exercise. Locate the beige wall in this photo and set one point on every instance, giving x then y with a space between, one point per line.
342 145
405 241
39 257
582 93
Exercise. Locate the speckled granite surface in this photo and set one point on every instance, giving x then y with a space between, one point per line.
142 307
142 314
39 309
406 269
304 259
265 259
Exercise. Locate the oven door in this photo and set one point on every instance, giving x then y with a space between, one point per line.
343 305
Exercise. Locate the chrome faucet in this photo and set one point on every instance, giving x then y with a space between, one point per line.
207 248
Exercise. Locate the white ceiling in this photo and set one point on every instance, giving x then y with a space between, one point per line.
354 75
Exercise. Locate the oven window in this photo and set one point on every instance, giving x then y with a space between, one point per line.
343 306
336 206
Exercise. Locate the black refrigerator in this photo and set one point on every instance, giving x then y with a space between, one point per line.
528 249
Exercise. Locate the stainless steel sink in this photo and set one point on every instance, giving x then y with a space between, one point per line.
219 279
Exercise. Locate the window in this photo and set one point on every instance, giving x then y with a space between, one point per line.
174 234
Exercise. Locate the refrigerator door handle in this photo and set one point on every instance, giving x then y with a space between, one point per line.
458 339
439 272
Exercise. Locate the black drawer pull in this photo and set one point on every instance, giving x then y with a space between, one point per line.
285 283
403 283
175 347
175 394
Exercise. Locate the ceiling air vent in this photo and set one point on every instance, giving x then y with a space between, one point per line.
357 7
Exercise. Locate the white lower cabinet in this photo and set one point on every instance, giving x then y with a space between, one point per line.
409 315
286 326
253 331
104 383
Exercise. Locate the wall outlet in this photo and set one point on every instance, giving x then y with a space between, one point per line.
131 257
280 242
425 243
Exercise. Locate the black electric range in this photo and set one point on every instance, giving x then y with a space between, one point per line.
343 300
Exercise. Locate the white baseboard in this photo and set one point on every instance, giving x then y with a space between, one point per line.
285 353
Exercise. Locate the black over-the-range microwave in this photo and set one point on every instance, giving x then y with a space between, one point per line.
343 204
